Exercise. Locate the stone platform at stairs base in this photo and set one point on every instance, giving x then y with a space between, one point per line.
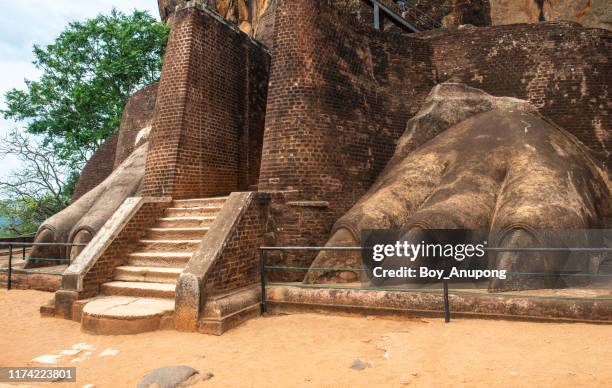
226 311
593 306
114 315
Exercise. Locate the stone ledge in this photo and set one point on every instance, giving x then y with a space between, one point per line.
226 311
315 204
295 299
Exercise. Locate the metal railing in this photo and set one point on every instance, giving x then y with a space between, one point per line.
409 16
380 7
263 267
24 245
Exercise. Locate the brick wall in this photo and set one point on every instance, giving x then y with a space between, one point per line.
340 95
209 108
137 114
238 265
97 168
342 92
117 252
563 69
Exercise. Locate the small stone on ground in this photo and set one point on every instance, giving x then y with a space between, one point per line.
360 365
167 377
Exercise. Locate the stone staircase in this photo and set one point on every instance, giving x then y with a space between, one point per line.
143 289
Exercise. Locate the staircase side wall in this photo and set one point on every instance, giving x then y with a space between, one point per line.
109 248
226 261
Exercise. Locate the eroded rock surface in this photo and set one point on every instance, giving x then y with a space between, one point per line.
254 17
589 13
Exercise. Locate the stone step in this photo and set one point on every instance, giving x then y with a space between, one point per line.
159 259
139 289
176 233
159 246
192 211
147 274
184 222
116 315
198 202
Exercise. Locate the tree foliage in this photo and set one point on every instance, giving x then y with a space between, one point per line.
39 188
88 74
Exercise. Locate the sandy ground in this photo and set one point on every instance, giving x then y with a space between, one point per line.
315 350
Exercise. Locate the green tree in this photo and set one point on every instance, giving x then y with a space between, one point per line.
39 188
88 74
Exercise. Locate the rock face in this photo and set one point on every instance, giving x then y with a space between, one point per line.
589 13
254 17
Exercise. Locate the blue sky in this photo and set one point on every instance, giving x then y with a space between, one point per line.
28 22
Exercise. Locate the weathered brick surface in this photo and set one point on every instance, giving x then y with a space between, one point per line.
137 114
97 168
209 109
340 95
563 69
239 264
117 252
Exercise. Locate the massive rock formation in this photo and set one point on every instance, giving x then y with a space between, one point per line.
469 160
589 13
254 17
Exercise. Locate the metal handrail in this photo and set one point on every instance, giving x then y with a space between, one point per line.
412 10
33 244
11 245
378 6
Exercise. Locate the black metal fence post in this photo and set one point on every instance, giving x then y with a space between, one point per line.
10 268
445 292
262 279
446 304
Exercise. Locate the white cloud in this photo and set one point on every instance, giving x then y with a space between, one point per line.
30 22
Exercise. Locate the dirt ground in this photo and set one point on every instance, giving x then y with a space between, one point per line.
315 350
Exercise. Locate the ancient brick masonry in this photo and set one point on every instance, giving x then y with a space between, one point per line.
97 168
239 265
340 96
137 114
209 109
563 69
